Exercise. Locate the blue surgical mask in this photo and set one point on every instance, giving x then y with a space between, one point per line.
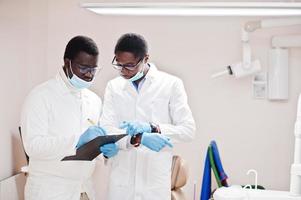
137 76
78 82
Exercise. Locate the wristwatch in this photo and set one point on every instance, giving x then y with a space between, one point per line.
154 128
136 140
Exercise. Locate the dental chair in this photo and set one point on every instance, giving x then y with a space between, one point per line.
179 177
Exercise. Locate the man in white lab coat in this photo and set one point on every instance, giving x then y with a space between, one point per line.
54 121
152 107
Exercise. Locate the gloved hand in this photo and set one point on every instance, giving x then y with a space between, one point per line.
91 133
109 150
133 128
155 141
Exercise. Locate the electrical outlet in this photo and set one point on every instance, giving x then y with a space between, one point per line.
260 86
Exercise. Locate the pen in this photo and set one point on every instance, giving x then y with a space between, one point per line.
91 122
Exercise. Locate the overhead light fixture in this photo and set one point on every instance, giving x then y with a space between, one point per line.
197 9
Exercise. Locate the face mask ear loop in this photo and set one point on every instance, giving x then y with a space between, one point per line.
70 69
142 69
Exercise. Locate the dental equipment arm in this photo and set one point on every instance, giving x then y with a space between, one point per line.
246 67
251 26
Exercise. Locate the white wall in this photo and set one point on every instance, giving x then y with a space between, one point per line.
12 188
22 63
250 133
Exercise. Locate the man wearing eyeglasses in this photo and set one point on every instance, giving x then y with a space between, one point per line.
151 106
56 120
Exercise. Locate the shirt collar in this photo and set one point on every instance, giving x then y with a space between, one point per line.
149 77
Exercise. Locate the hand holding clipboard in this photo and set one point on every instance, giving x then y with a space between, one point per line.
91 149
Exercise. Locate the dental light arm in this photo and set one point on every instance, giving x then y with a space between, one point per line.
247 67
244 68
278 54
251 26
286 41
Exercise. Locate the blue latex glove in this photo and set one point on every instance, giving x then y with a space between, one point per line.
133 128
155 141
91 133
109 150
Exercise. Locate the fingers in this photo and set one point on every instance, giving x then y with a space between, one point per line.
108 146
85 138
109 150
124 125
168 143
132 128
95 131
158 145
161 146
155 142
102 131
128 126
105 150
162 142
156 149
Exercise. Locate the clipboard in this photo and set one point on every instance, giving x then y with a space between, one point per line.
91 150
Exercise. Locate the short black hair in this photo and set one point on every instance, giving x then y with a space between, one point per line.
133 43
78 44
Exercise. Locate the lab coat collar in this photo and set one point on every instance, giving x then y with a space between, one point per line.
149 77
65 84
151 74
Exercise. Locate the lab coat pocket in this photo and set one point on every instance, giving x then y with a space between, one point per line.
120 171
158 169
160 110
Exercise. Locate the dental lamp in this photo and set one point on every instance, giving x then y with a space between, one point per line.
246 67
240 70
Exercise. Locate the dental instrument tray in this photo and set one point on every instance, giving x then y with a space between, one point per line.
91 150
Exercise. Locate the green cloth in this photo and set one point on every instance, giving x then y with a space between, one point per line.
213 167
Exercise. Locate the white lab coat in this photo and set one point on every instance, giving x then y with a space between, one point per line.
139 173
54 115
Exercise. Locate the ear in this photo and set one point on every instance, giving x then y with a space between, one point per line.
146 58
66 62
66 67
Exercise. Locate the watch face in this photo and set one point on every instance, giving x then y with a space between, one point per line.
155 128
136 140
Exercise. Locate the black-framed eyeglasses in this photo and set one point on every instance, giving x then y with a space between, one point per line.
83 69
130 67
